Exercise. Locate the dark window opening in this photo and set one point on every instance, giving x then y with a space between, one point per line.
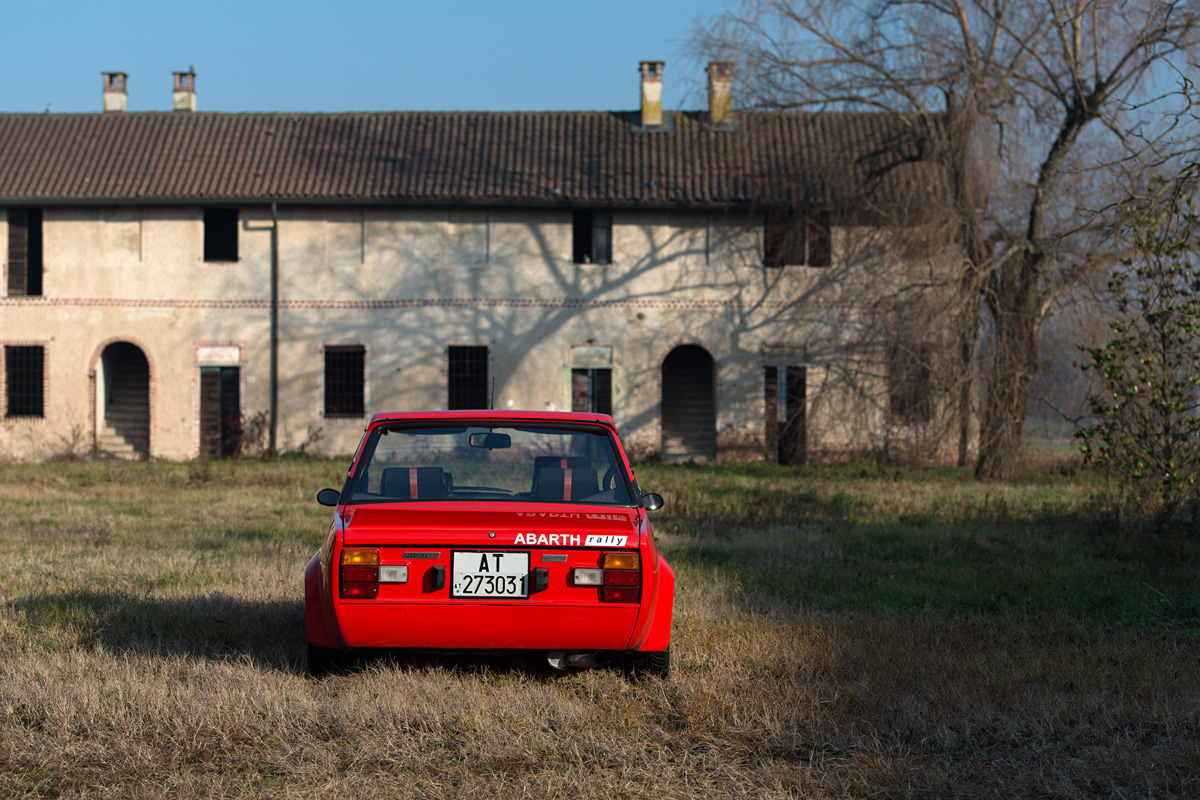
793 438
793 239
592 237
24 371
24 252
468 378
786 432
909 383
220 234
591 390
221 431
345 378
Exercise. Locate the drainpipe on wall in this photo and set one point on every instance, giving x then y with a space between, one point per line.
274 325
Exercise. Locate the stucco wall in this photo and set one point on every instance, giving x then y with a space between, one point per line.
408 283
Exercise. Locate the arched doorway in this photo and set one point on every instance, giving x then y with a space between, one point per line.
123 397
689 409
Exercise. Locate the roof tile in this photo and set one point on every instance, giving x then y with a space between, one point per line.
823 159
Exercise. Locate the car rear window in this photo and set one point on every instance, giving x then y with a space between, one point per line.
521 464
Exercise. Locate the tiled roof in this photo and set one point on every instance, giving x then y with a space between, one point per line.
824 159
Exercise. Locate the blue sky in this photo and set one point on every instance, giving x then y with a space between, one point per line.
354 56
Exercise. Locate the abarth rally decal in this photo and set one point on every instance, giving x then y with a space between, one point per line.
596 540
569 540
548 539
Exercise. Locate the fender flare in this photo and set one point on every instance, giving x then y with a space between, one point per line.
320 620
658 637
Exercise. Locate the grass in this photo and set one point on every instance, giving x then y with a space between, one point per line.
839 632
901 543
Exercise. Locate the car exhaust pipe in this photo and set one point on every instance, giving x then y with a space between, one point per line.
587 660
560 659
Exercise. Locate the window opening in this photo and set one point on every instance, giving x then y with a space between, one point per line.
785 410
792 239
220 234
24 371
24 252
220 412
771 412
909 382
345 377
468 378
592 237
591 390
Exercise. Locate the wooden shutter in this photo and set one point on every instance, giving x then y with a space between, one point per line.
18 252
771 413
210 412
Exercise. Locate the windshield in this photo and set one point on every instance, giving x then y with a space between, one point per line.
544 464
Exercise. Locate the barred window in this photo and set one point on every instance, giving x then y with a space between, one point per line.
468 377
345 377
24 372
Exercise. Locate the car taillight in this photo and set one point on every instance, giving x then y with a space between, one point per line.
619 578
358 575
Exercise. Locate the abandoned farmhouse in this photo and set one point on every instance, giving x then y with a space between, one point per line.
181 284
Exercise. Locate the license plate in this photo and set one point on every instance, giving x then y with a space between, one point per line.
478 574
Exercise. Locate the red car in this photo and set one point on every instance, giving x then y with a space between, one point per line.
492 531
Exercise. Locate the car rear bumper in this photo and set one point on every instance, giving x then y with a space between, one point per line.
501 626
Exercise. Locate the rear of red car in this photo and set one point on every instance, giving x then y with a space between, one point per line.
492 531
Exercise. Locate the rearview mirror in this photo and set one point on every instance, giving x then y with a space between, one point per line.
328 497
491 441
652 501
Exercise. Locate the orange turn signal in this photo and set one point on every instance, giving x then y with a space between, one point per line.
361 558
621 561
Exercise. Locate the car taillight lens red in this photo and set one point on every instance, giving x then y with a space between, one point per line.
358 591
620 594
622 578
358 575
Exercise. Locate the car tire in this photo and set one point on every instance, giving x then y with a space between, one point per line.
654 664
320 661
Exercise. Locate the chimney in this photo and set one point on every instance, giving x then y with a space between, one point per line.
185 90
720 92
652 93
115 96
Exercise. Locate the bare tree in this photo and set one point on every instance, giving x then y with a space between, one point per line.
1032 107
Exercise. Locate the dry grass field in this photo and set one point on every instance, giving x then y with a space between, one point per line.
839 632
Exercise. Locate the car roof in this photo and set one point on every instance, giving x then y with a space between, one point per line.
491 415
